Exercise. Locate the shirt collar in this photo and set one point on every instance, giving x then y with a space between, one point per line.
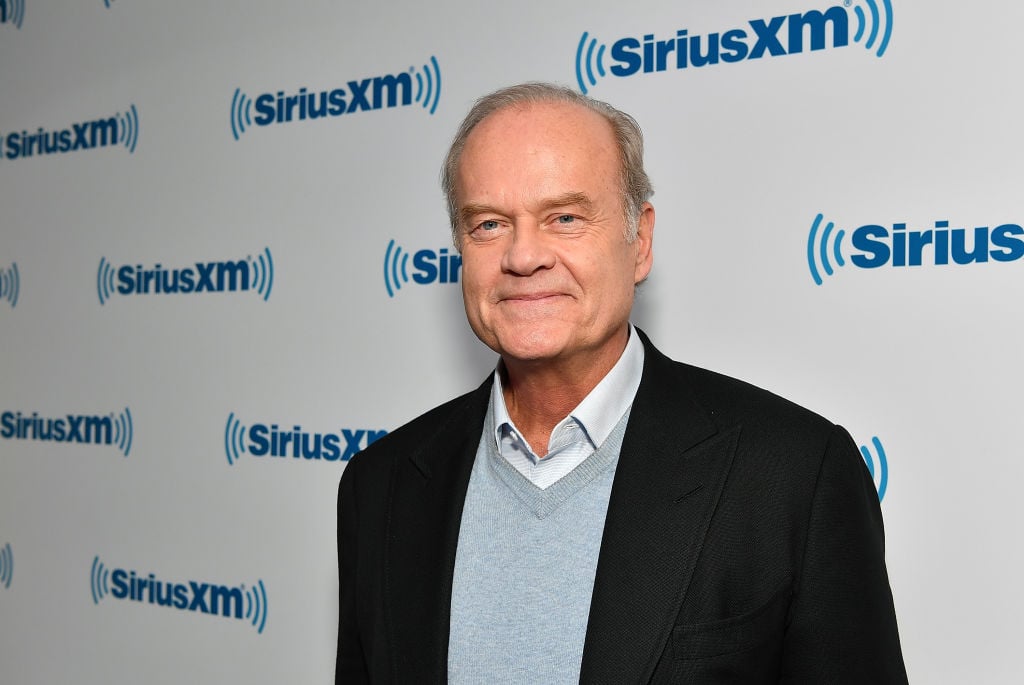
600 410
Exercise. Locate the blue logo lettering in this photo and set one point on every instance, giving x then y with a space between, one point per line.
238 602
115 430
428 266
119 129
894 245
262 440
421 86
773 37
241 275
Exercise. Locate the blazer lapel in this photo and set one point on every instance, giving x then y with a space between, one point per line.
672 467
426 500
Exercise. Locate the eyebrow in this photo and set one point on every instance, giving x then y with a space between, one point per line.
564 200
573 198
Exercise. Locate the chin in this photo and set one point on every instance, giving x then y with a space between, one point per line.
530 345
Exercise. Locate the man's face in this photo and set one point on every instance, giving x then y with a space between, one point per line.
547 272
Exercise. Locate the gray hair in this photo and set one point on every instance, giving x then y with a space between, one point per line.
636 186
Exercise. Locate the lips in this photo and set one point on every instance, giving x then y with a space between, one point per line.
532 299
529 297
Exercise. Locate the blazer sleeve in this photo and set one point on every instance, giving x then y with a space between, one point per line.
351 665
842 624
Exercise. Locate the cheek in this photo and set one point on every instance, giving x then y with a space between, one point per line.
472 282
613 279
470 269
474 286
480 268
602 271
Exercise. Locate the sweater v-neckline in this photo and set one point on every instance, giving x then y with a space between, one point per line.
542 502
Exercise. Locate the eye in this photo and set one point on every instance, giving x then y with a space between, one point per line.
565 219
488 225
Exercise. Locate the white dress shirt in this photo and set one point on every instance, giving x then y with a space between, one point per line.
585 429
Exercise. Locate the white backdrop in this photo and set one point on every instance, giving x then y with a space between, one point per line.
921 126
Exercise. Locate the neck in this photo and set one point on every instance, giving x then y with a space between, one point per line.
540 393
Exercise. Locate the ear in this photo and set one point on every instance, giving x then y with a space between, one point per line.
644 243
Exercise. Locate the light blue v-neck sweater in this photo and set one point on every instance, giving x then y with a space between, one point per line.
524 568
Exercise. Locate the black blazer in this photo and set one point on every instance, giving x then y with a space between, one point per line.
743 544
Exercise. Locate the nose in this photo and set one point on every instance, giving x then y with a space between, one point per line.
528 251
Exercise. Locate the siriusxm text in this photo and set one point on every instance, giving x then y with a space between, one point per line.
431 267
271 441
206 598
940 245
70 428
392 90
199 278
782 35
82 136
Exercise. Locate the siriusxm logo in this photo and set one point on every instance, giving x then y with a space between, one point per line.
879 245
428 267
262 440
6 565
758 38
115 430
256 274
10 285
368 94
12 12
879 475
204 598
119 129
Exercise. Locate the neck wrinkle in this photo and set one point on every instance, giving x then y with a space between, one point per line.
540 394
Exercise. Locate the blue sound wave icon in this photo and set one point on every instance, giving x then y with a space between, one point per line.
263 274
428 85
129 128
256 605
12 12
241 113
6 565
819 248
588 61
882 477
123 431
247 604
395 268
105 280
99 580
877 26
10 284
234 439
261 269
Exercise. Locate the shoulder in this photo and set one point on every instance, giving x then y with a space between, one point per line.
730 400
725 400
781 456
774 435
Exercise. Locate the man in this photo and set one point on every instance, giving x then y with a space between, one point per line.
596 512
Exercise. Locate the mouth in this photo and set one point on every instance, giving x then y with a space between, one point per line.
527 298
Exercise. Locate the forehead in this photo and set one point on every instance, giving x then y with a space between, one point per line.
540 144
553 114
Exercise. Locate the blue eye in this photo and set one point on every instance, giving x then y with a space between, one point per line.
566 219
489 225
